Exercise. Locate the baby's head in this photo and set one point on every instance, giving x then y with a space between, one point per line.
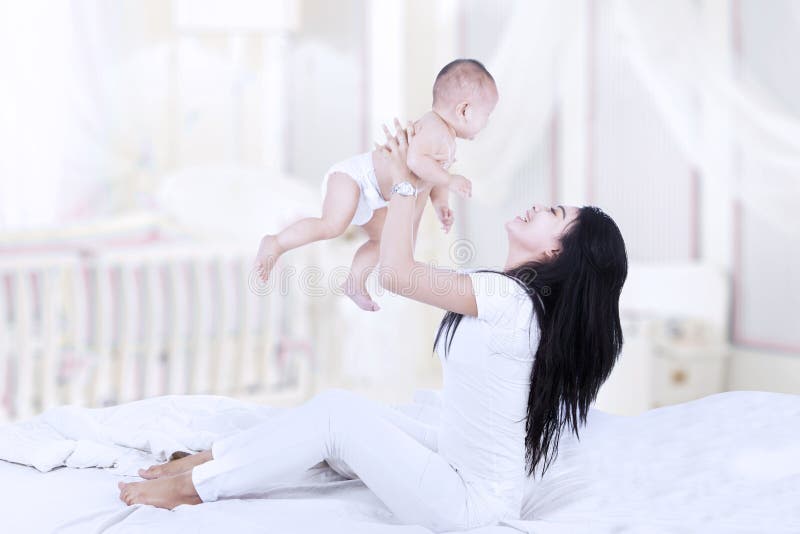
464 95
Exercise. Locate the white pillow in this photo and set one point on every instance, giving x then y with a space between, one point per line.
236 203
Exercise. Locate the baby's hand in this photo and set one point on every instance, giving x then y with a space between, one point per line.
445 215
460 185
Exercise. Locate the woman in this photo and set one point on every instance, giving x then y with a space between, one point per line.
524 352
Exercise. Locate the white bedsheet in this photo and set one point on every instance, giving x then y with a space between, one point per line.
725 463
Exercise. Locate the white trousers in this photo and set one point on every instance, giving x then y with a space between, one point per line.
417 484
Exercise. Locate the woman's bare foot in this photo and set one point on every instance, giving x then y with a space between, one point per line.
268 253
359 295
175 466
166 492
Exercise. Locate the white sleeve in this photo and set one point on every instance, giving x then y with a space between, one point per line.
497 296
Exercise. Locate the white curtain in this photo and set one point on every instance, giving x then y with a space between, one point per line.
709 106
527 68
713 107
32 110
51 130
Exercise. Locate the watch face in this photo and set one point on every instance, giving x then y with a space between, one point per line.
405 189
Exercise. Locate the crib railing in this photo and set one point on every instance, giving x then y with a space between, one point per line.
104 327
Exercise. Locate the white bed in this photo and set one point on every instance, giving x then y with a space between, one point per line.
724 463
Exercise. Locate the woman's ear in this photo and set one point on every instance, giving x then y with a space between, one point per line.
552 253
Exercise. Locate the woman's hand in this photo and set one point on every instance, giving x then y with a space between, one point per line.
395 152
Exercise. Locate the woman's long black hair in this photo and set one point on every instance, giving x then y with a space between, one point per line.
576 302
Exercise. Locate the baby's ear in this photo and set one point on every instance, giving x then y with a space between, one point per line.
463 109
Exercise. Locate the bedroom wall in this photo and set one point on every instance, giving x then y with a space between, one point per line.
764 371
149 100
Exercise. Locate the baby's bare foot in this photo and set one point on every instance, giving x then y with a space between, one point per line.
360 296
166 492
268 253
175 466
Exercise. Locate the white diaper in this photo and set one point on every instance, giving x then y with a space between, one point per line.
360 169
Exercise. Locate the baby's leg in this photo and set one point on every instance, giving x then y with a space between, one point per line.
338 208
364 260
367 256
355 287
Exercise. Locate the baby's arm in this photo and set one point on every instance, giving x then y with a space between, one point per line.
440 200
426 142
440 195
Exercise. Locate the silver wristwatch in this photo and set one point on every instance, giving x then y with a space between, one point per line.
405 189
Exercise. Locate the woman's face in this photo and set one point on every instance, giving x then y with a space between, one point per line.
535 234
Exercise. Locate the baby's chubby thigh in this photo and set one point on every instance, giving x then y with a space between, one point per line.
342 204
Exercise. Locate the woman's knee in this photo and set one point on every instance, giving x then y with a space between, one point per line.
337 398
344 406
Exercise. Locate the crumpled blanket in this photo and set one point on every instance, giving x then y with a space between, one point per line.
125 436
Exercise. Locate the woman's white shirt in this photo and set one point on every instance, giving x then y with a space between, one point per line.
485 391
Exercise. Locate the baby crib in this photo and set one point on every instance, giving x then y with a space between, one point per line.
100 327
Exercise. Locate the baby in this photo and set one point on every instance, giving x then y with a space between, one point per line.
356 190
